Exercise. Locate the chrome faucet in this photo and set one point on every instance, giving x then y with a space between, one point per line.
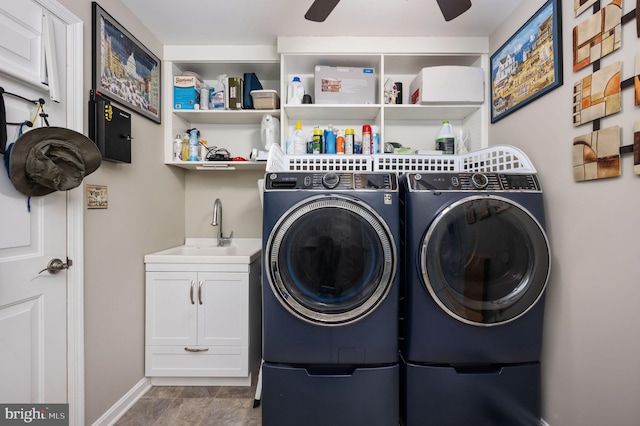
217 221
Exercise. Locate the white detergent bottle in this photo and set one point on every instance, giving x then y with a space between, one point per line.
446 139
270 131
295 92
298 140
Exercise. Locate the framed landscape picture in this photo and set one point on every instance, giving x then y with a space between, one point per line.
124 70
529 64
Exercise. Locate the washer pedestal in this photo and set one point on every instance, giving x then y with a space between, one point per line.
332 395
479 396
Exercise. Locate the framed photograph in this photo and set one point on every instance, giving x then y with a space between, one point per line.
123 69
529 64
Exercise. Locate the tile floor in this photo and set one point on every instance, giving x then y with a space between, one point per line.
195 406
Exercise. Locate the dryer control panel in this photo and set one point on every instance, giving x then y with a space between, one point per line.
366 181
473 182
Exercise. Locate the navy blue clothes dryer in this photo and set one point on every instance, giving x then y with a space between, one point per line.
476 266
330 270
476 263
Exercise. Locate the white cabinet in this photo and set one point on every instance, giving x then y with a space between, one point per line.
202 326
394 60
236 130
397 59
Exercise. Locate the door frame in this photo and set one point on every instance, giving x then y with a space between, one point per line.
75 215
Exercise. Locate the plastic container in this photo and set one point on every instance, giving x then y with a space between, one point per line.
184 153
446 139
329 141
349 141
177 148
340 142
366 139
295 92
265 99
375 139
204 96
204 150
298 140
193 145
317 147
269 131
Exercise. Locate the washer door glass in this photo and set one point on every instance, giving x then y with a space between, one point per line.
331 260
485 260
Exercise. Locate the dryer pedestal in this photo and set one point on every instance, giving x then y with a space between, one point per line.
446 396
333 395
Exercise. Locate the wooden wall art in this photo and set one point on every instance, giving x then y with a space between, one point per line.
597 95
580 6
636 80
636 147
596 155
597 36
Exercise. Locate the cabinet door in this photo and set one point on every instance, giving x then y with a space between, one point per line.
171 314
223 309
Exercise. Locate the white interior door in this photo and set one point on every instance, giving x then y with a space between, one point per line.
33 305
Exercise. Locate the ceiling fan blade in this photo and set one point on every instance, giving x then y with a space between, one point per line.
320 9
451 9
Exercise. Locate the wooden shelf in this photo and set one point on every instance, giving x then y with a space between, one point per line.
429 112
332 112
219 165
225 116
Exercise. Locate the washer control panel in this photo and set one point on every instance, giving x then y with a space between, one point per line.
370 181
473 182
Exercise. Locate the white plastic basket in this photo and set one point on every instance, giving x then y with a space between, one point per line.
497 158
414 163
276 159
329 162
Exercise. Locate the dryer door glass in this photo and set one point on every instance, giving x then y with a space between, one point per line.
331 260
485 260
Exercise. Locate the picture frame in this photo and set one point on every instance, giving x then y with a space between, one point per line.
123 69
529 64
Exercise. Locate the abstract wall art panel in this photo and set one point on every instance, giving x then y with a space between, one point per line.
598 35
636 80
596 155
597 95
580 6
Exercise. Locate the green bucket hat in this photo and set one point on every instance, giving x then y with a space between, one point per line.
49 159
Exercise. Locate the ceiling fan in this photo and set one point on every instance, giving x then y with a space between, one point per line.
450 9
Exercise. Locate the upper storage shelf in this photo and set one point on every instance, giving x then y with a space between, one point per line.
215 116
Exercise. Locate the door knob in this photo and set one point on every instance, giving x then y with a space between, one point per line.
54 266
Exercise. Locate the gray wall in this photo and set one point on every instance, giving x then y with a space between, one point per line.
591 343
145 214
591 346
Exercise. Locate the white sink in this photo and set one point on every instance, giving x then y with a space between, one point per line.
206 250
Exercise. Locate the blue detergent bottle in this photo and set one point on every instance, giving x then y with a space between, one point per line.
193 145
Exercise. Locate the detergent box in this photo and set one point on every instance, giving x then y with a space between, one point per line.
186 91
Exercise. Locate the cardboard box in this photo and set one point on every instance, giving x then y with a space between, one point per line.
449 84
344 85
186 91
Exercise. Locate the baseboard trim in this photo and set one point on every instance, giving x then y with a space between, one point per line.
123 404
